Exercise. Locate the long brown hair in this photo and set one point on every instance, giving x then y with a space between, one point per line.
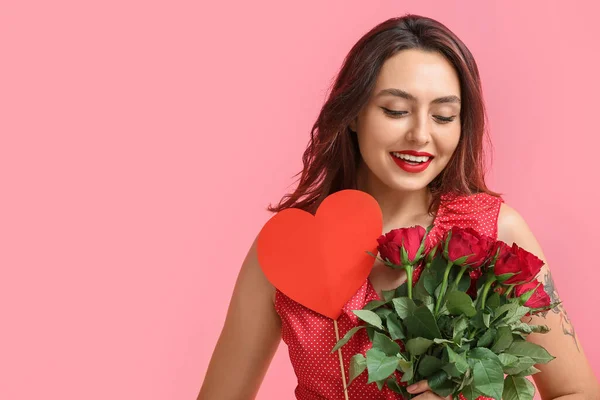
332 156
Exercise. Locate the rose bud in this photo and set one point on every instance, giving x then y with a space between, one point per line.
523 265
467 247
532 294
402 246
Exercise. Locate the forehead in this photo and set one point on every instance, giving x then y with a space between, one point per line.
426 75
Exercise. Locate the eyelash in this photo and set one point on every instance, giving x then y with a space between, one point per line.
397 114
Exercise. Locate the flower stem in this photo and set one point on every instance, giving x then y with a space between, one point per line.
409 278
458 277
486 288
444 287
510 288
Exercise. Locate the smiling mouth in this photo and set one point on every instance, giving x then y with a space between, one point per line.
413 160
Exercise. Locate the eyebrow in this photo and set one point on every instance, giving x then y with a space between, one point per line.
408 96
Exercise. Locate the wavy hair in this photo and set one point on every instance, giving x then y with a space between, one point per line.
332 156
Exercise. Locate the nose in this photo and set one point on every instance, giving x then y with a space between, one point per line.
419 132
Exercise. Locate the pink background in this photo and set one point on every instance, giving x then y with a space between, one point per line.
141 141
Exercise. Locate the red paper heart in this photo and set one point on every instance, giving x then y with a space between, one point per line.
321 261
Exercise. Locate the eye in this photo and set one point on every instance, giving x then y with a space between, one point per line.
444 120
399 114
393 113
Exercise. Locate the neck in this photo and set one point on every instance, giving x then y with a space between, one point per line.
399 208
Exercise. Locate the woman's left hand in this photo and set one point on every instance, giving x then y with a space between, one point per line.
426 393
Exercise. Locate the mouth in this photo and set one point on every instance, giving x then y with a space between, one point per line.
412 163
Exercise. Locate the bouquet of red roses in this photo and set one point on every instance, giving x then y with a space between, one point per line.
460 324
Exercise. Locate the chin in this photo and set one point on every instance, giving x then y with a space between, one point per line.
408 185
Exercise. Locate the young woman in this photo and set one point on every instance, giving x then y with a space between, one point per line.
405 122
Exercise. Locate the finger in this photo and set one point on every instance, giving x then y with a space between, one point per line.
423 387
418 387
428 395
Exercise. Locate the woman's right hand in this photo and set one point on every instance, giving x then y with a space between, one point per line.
249 338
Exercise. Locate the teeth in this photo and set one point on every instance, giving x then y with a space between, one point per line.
411 158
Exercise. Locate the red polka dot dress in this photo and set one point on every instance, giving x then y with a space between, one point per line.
311 336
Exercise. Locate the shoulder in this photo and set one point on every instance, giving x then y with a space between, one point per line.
511 224
513 228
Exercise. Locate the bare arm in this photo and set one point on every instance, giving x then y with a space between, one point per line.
249 338
569 376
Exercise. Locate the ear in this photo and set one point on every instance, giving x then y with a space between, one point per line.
352 125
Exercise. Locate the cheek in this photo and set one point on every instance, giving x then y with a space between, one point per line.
449 144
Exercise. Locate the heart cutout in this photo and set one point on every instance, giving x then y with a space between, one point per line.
320 261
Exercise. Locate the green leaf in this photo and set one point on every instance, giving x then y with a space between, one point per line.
529 371
518 388
418 346
393 385
505 311
380 384
452 371
470 392
493 302
521 365
420 295
408 374
346 337
486 318
395 328
446 325
432 277
461 260
358 364
481 353
522 327
373 304
488 377
404 365
379 365
458 360
487 338
519 313
370 332
460 303
388 295
536 352
385 344
465 282
383 313
369 317
508 360
503 340
477 320
402 290
440 384
404 306
460 326
428 365
421 323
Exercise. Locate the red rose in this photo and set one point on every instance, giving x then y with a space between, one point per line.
391 244
467 247
518 261
507 261
538 299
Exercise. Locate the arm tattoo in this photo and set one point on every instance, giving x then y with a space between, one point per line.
565 322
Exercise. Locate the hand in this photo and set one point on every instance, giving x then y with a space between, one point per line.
426 393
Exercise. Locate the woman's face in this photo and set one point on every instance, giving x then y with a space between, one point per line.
410 127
